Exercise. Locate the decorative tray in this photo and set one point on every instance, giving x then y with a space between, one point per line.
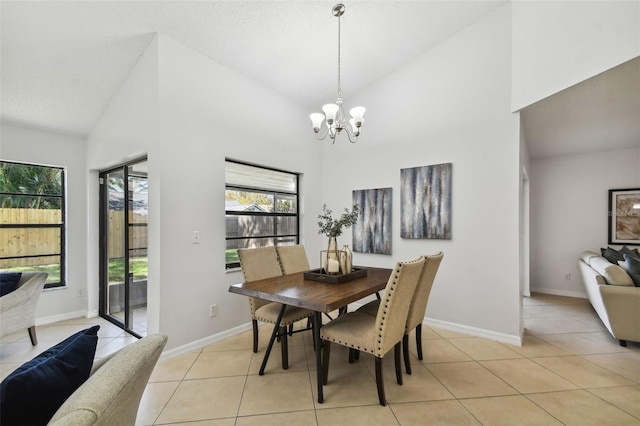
319 275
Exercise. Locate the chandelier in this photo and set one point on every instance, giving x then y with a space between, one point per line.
333 113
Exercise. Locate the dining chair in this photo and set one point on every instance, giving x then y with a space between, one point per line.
261 263
417 308
293 259
377 334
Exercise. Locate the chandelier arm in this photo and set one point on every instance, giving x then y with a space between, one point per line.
323 137
352 137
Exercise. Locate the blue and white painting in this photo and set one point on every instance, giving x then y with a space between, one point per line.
372 232
425 202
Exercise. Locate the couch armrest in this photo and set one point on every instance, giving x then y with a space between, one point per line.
623 309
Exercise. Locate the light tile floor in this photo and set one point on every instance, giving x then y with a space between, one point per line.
568 371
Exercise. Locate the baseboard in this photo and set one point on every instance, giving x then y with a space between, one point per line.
201 343
473 331
556 292
61 317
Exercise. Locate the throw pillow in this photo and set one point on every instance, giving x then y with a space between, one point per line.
632 266
33 393
612 255
9 282
612 274
626 250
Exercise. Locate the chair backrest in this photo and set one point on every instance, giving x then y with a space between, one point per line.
425 284
394 306
293 259
258 264
18 308
111 395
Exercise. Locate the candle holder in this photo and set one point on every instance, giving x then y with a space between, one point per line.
330 261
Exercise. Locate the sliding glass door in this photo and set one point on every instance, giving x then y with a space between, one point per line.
123 246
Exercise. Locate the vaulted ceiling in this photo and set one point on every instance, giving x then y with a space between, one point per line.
62 61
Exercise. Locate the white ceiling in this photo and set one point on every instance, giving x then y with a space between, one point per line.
62 61
600 113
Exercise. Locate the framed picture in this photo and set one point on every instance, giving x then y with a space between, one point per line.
425 202
372 232
624 216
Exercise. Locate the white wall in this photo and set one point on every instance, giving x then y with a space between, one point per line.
126 130
188 113
557 44
451 104
41 147
569 199
207 113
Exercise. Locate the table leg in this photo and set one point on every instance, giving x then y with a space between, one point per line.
276 328
317 323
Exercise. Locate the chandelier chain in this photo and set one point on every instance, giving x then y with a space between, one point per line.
339 87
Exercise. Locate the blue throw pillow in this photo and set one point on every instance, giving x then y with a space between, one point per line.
9 282
632 266
33 393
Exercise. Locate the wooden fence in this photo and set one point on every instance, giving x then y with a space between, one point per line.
16 242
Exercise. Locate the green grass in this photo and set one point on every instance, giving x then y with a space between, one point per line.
137 266
231 256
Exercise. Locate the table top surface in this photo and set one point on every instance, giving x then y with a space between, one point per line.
295 290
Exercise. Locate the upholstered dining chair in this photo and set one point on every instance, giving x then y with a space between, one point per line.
377 335
417 308
261 263
18 308
293 259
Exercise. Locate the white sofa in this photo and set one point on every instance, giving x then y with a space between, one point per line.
612 295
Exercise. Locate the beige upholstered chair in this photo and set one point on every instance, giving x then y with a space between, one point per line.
417 308
377 335
293 259
111 395
18 308
261 263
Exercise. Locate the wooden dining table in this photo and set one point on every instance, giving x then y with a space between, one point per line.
319 297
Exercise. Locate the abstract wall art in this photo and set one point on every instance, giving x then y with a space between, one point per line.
425 202
372 233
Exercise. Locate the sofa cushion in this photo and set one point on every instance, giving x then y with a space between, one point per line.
9 282
632 266
33 393
612 255
613 274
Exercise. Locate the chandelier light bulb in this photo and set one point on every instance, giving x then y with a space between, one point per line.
330 111
358 113
316 120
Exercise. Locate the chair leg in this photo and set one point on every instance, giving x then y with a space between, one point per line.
32 335
352 355
623 343
284 348
396 359
326 349
405 352
419 341
380 382
255 336
291 329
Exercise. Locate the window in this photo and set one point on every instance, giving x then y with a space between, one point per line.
32 214
261 206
